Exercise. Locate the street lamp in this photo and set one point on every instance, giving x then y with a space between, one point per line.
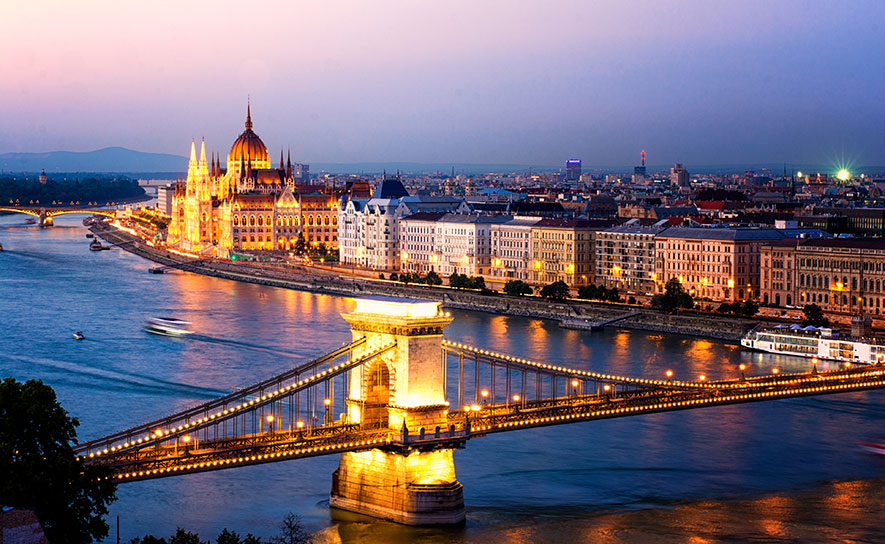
670 375
742 367
269 419
702 377
328 404
774 370
485 395
575 387
186 439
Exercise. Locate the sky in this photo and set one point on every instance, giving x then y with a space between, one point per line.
481 81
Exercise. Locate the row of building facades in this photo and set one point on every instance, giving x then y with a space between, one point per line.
248 206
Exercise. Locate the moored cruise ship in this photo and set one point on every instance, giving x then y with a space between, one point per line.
821 342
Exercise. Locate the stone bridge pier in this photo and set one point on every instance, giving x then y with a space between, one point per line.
45 219
403 391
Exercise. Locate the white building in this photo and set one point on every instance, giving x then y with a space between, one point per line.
368 229
447 243
511 249
164 199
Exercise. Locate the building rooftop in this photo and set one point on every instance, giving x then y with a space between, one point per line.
733 234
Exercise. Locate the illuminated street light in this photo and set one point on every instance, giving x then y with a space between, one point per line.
843 175
670 375
774 370
742 367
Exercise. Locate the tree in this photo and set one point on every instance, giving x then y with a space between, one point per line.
557 290
185 537
673 298
38 468
458 281
477 282
517 288
292 531
432 278
814 316
231 537
147 539
394 276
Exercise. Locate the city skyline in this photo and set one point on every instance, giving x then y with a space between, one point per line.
490 83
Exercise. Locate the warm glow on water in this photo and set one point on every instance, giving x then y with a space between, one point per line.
786 471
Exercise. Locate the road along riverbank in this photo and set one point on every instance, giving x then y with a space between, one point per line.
571 313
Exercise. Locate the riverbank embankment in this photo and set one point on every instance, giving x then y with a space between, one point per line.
306 278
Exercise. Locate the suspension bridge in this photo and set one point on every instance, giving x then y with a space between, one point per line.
398 399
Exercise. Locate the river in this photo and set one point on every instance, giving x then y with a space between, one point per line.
782 471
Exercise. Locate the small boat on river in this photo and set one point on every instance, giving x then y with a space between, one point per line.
167 326
30 221
875 447
79 335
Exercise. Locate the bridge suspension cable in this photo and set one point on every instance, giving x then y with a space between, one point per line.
221 409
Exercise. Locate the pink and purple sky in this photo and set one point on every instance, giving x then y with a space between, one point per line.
701 82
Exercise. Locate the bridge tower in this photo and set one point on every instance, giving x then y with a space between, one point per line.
404 392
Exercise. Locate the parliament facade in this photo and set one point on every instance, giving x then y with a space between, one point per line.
249 206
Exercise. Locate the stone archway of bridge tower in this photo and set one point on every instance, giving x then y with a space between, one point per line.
378 393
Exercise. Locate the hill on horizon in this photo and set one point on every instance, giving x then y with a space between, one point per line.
109 159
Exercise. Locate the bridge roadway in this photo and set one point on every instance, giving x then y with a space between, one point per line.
179 450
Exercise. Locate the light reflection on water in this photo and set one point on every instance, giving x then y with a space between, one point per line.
784 471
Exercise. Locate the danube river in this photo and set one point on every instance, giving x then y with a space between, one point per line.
783 471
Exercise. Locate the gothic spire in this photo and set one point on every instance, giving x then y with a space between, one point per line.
193 160
289 164
248 114
282 164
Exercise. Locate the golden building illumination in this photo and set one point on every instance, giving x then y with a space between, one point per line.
248 205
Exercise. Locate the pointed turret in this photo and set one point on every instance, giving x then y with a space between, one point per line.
212 173
248 114
193 161
203 152
289 164
282 164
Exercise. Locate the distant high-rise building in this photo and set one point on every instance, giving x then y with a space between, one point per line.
679 176
43 177
640 170
573 169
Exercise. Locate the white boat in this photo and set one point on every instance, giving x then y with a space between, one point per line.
815 342
79 336
875 447
167 326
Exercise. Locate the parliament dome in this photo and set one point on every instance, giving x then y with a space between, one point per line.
248 147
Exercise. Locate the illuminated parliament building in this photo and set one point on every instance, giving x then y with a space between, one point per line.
248 205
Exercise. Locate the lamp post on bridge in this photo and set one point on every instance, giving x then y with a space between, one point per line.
327 402
270 419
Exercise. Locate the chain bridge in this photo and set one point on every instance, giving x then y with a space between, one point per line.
46 213
396 401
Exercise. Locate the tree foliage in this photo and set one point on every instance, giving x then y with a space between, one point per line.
747 308
517 288
231 537
463 281
93 189
600 292
814 316
38 468
557 290
673 298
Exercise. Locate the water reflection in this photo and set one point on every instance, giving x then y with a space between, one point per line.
710 475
